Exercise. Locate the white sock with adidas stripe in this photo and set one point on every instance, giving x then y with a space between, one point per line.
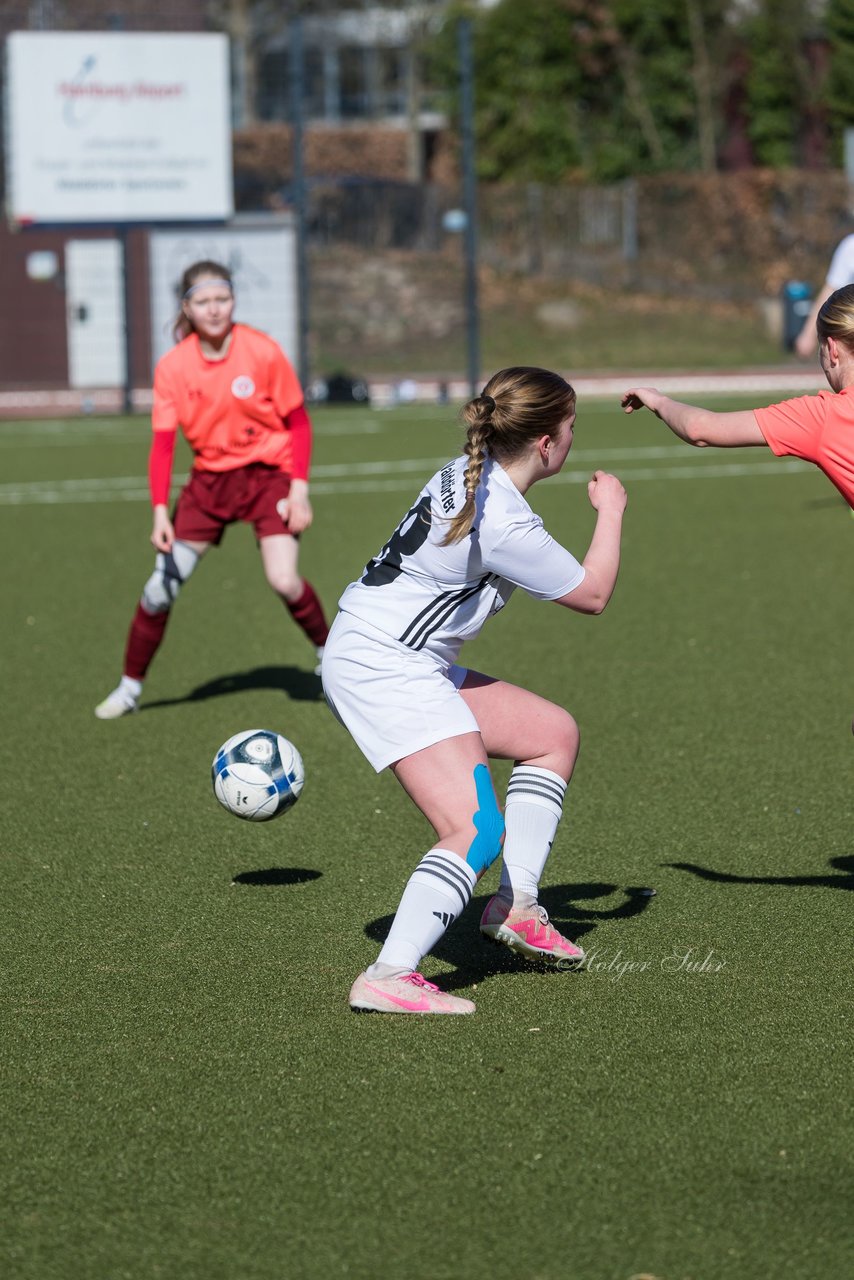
532 811
438 890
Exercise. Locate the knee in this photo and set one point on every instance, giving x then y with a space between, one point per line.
171 570
286 583
570 735
564 742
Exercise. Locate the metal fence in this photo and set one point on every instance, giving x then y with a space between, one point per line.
728 236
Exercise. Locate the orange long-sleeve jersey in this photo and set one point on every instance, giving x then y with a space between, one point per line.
817 428
243 409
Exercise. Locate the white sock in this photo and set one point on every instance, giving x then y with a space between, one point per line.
438 890
532 812
132 688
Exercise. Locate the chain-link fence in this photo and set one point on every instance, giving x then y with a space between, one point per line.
734 236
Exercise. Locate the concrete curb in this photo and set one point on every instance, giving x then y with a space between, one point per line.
386 392
777 383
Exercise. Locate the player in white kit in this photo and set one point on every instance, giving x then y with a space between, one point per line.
390 674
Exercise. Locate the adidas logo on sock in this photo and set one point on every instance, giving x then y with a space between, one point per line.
447 917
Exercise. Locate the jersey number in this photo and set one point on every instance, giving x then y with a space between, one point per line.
405 541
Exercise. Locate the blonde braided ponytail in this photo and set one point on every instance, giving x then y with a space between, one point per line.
478 415
518 405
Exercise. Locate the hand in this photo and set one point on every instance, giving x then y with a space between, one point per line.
162 532
640 398
295 510
606 493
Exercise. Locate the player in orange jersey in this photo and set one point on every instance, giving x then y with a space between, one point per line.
818 428
237 400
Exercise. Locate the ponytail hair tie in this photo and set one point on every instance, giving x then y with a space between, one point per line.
488 403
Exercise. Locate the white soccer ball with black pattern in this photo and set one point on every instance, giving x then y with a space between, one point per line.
257 775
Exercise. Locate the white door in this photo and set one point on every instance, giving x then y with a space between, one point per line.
95 296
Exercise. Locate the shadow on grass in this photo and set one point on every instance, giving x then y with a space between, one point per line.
300 686
277 876
832 500
843 881
475 959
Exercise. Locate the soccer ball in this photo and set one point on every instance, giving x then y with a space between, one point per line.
257 774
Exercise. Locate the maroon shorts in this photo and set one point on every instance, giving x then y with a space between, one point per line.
210 500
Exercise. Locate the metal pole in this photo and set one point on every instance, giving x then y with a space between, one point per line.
630 220
469 202
124 240
295 59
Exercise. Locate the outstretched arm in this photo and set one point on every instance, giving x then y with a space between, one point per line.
698 426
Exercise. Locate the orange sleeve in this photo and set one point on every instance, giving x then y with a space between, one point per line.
164 414
285 390
794 427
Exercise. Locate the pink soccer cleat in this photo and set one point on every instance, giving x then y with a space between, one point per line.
527 931
409 993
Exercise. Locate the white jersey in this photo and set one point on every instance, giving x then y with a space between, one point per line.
841 269
432 598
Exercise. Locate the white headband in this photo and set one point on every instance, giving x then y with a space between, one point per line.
208 284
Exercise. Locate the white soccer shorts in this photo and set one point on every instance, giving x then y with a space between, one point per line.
393 700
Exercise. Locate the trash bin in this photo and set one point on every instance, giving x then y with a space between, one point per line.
797 300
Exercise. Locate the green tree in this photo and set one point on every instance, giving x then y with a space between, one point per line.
603 87
777 83
669 56
839 92
528 87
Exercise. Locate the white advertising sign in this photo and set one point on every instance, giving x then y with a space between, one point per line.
111 127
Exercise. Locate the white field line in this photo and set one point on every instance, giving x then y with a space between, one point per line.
59 432
50 434
396 476
628 474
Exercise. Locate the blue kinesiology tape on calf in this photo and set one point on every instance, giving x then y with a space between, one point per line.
488 823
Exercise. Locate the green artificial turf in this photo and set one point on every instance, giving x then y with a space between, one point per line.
184 1091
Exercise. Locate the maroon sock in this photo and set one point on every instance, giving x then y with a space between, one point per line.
144 639
307 612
